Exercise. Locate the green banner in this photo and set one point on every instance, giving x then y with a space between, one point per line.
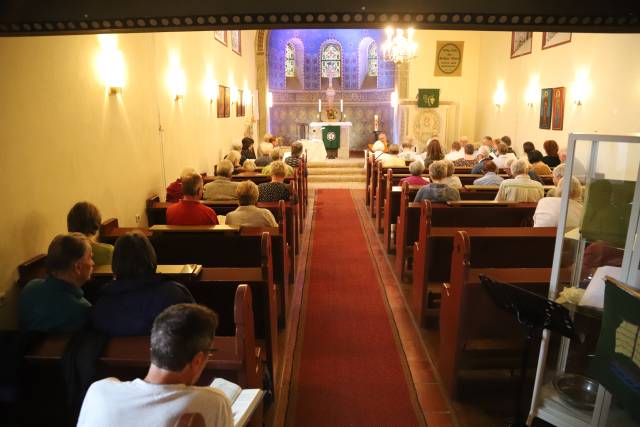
617 363
331 137
428 98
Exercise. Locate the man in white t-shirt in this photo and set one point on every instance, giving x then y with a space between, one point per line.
181 339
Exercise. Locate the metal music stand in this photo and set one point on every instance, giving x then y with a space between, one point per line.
535 313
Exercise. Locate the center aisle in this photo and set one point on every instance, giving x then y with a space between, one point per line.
349 364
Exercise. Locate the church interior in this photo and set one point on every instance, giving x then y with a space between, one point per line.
368 303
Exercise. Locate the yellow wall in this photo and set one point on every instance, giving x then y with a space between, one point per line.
609 65
461 89
64 140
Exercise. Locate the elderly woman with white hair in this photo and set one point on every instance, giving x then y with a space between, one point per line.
547 212
521 188
415 169
557 174
451 180
437 191
484 155
378 151
248 214
392 160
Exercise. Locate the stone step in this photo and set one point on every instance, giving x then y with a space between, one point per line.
336 178
337 171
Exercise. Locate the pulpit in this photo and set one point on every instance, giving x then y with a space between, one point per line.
335 135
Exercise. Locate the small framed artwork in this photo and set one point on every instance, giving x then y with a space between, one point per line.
558 108
521 43
224 102
236 41
221 36
546 106
555 39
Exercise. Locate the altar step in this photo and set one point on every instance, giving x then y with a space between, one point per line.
337 172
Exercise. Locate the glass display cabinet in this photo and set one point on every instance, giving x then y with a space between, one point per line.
606 243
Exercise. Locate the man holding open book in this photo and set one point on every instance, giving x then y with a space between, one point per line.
181 339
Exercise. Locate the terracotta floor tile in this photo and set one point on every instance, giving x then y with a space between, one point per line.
439 419
430 398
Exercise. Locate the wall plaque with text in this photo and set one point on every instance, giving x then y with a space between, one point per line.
449 58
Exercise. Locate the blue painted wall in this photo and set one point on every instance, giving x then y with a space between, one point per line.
312 41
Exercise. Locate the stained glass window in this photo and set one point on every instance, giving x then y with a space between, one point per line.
289 61
331 61
372 59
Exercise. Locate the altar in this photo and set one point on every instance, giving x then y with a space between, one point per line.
335 135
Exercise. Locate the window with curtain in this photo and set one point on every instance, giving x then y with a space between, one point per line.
331 61
372 60
289 61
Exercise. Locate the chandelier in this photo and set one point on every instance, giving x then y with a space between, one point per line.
398 47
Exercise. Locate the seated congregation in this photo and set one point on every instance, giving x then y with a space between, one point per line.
446 219
182 289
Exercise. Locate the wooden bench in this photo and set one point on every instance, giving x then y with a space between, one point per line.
475 336
286 218
468 213
432 260
213 287
237 358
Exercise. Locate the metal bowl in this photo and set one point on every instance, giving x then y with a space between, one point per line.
577 390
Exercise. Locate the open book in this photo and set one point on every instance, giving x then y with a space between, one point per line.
243 402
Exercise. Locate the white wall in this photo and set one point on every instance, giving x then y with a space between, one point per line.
64 140
461 90
609 64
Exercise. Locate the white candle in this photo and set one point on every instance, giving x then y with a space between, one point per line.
375 122
341 105
319 106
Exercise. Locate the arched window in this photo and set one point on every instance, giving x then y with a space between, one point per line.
372 60
331 62
289 61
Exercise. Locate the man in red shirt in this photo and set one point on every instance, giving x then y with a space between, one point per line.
189 210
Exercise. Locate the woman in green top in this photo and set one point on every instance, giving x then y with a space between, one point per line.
85 218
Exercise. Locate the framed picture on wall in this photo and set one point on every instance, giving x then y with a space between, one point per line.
555 39
521 43
546 106
558 108
236 41
223 106
221 36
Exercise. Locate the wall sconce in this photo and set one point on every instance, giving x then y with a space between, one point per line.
210 90
532 92
234 95
110 64
499 96
246 95
394 98
269 99
176 79
581 87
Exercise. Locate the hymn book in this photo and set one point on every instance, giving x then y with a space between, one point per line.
243 402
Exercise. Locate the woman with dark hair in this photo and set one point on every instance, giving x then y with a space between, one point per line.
247 151
128 305
528 146
85 218
433 152
535 158
551 148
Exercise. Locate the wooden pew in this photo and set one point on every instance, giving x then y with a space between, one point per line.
367 181
432 260
156 214
392 206
474 334
467 213
237 358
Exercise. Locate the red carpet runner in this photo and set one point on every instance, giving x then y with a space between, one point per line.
349 366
